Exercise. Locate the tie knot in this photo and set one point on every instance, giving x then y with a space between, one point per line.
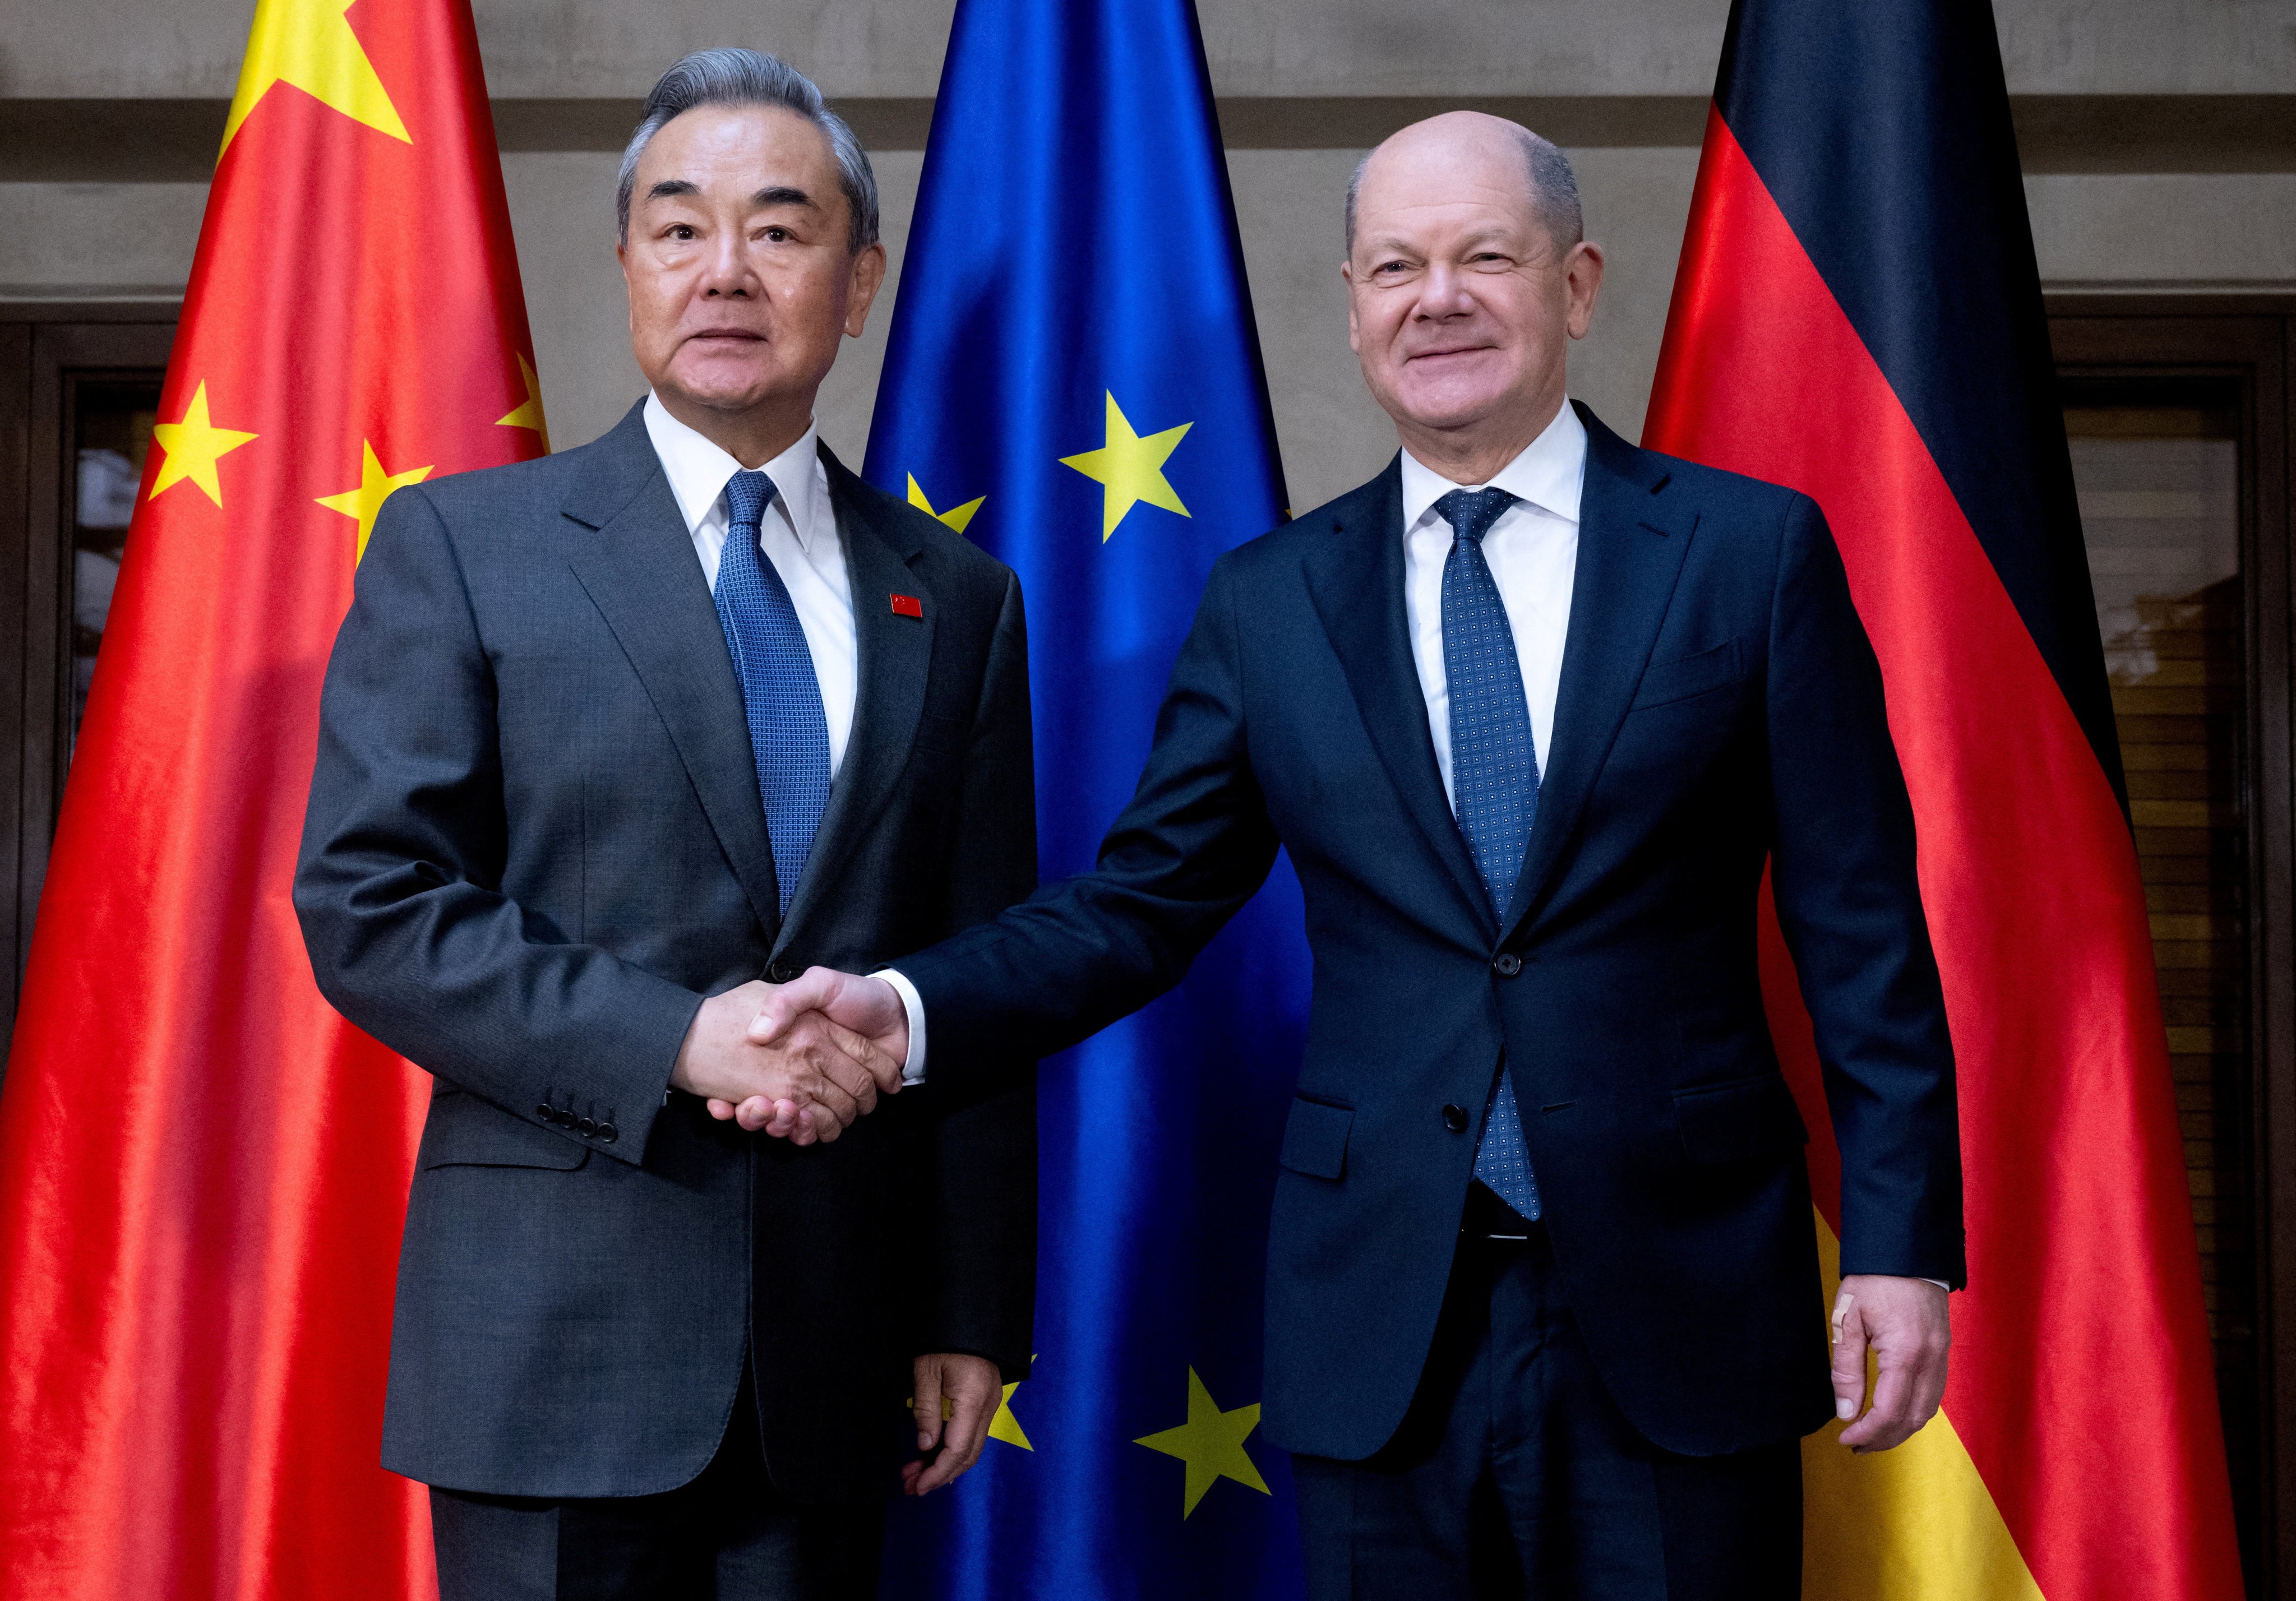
747 496
1470 512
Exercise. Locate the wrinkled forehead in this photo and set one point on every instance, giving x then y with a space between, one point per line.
747 146
1473 180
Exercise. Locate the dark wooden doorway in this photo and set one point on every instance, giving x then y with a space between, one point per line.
78 386
2178 414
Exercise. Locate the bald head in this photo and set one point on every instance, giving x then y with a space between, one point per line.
1551 189
1467 279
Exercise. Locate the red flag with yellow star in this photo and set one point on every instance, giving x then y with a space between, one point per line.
203 1169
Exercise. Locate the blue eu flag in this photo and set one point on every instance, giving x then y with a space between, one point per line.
1074 383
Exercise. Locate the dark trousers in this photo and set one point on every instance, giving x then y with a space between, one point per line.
728 1535
1515 1475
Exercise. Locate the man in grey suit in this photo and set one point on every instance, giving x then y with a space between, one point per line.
609 740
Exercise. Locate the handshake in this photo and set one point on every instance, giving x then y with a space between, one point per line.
799 1061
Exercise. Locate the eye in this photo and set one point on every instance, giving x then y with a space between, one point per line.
681 231
779 234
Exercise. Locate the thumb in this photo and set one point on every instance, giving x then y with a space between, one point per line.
811 991
1848 1357
927 1403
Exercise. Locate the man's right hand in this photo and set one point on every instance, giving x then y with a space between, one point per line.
868 1009
812 1078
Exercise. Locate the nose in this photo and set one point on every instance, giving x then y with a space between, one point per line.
727 275
1443 292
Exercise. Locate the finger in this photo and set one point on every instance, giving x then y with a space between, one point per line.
967 1430
721 1109
812 990
840 1107
910 1472
1848 1361
926 1403
1889 1420
880 1066
847 1074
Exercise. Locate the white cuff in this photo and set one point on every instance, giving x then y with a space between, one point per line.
912 1066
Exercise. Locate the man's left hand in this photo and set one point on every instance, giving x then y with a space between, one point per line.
1904 1322
973 1387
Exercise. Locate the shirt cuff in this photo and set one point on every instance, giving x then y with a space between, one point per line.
912 1066
1940 1283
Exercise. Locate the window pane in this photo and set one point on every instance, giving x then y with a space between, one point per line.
2160 501
111 431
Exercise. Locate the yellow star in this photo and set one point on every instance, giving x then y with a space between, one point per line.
955 516
1211 1443
1131 468
193 446
363 504
309 44
530 414
1004 1427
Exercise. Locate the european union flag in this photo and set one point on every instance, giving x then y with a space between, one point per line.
1074 381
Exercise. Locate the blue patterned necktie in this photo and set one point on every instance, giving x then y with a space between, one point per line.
789 731
1494 780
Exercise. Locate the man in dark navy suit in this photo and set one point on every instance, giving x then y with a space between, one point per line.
609 740
1530 711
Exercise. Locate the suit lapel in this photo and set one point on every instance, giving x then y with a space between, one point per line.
1355 580
1631 545
896 656
637 566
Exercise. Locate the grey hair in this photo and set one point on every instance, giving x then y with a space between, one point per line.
1554 190
751 78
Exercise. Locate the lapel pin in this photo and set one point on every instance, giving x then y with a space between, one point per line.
908 605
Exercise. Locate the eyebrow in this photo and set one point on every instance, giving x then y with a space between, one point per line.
778 194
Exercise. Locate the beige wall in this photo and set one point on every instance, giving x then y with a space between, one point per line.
2160 209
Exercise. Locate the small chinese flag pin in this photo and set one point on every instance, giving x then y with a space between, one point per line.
908 605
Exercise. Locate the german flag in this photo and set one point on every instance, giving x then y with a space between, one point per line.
1857 314
203 1169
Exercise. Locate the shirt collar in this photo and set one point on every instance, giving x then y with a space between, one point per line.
697 469
1550 473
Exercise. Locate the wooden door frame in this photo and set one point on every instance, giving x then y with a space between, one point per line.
2248 341
47 349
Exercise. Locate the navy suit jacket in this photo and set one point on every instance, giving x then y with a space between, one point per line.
534 841
1719 707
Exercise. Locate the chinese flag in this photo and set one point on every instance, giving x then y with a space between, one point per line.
1857 314
203 1169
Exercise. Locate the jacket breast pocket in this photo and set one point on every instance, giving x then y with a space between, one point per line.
1316 1138
1685 677
1740 1120
465 1132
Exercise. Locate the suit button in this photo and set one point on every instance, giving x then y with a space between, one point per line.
608 1133
781 972
563 1118
1454 1118
585 1127
546 1112
1507 965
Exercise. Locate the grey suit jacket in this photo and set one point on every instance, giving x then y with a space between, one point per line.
534 841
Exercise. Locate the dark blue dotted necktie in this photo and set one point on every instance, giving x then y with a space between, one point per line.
1494 778
789 731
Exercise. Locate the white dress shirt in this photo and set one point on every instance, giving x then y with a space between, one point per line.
1533 551
798 535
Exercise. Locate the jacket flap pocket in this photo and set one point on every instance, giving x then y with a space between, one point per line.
1315 1138
1745 1118
1689 676
464 1131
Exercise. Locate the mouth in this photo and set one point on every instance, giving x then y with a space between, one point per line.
1449 353
723 338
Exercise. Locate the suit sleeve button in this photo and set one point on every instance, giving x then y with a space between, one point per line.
1507 965
1454 1118
546 1112
781 972
585 1127
608 1133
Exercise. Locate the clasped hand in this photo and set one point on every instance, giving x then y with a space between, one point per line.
806 1078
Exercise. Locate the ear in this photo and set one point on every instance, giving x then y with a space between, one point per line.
1348 277
1582 274
861 292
